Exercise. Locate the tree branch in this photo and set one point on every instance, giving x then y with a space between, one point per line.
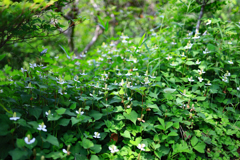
98 32
201 14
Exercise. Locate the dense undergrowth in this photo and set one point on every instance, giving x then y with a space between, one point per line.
174 95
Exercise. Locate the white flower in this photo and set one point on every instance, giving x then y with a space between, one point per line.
238 88
113 149
81 112
198 62
64 151
135 69
124 41
225 79
42 127
189 46
173 64
208 84
201 71
119 73
56 57
1 91
205 33
231 62
200 79
206 51
105 87
96 135
121 83
161 16
47 113
169 57
28 140
173 43
190 79
14 117
196 37
77 63
227 74
112 44
83 73
129 99
229 42
128 74
208 22
141 147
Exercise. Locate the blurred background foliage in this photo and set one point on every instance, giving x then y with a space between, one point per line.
81 26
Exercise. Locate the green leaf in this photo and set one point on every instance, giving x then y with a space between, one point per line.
194 141
95 114
2 56
63 122
190 63
132 116
172 134
162 122
94 157
141 40
20 143
4 129
86 143
73 106
53 140
168 125
200 98
61 110
154 106
18 154
35 112
200 147
75 120
106 26
126 134
96 148
176 125
53 118
137 141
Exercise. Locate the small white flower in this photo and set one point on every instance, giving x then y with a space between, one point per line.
196 37
14 117
129 99
128 74
189 46
201 71
173 64
169 57
135 69
1 91
141 147
96 135
81 112
77 63
231 62
225 79
121 83
113 149
112 44
190 79
28 140
205 33
200 79
206 51
198 62
124 41
208 22
56 57
238 88
42 127
64 151
173 43
208 84
161 16
229 42
227 74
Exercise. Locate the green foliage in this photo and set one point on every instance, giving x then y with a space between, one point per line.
163 95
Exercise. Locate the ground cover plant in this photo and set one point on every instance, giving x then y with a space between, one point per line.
171 94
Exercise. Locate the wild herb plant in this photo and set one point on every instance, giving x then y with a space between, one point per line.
169 96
